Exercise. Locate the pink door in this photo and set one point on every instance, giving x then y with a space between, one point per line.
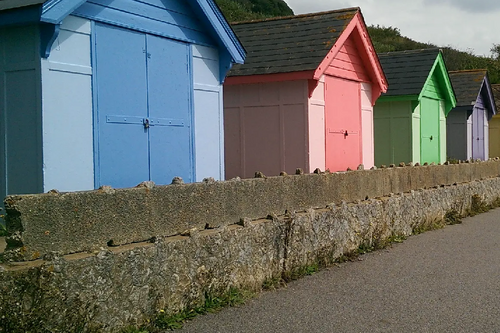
343 124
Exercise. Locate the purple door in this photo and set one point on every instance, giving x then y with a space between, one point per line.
478 133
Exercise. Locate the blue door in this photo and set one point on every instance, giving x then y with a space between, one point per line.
142 108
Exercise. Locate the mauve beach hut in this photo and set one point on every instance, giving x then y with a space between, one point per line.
111 92
494 125
410 119
467 124
304 97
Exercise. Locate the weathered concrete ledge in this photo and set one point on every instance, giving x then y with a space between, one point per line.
115 287
85 221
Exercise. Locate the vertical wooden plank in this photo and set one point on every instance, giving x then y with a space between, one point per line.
442 132
123 147
494 137
67 99
270 129
367 126
382 133
393 133
169 97
486 136
415 132
20 112
262 140
429 130
316 127
208 114
343 124
456 134
478 133
294 138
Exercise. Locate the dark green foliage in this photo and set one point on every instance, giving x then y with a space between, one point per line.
244 10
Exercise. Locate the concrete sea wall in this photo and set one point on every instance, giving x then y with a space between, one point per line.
101 288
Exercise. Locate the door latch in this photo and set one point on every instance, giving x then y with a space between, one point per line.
145 122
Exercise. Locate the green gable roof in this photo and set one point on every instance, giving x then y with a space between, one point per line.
409 73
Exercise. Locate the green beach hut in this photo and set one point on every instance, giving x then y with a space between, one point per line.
410 119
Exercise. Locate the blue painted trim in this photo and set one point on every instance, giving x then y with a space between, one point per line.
223 30
191 113
48 35
144 24
95 97
20 16
225 64
54 11
492 107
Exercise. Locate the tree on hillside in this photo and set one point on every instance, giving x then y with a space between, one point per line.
244 10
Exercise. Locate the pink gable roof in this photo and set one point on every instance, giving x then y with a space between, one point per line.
298 47
343 61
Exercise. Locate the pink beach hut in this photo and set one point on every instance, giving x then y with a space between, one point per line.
304 97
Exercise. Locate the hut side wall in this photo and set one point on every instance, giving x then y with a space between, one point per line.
68 156
208 114
20 125
265 128
494 136
316 126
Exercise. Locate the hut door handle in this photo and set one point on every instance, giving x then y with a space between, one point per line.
146 123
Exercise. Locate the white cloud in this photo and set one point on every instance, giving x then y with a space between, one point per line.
463 24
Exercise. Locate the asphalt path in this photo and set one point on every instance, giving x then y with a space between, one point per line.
445 280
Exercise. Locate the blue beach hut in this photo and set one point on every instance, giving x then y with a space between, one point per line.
111 92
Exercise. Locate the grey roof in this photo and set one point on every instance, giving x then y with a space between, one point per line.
467 85
407 71
496 95
289 44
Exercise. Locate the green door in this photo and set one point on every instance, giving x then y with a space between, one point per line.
392 132
429 130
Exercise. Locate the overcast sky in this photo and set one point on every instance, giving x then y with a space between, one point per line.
463 24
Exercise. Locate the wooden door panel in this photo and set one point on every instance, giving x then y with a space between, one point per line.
169 110
429 131
120 62
343 124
